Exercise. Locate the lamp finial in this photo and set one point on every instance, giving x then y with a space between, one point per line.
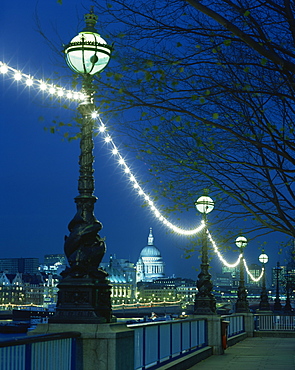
90 20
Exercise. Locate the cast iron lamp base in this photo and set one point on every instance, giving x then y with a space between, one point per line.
84 300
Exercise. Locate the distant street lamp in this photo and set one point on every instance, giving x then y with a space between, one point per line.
84 293
242 304
264 304
277 305
205 302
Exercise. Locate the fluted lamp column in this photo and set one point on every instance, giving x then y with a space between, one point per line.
263 304
205 302
277 305
288 306
242 304
84 292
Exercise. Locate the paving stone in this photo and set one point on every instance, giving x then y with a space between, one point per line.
257 353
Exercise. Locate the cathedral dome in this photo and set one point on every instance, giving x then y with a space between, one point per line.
150 265
150 251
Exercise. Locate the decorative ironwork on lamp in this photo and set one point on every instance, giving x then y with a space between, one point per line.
277 305
205 302
242 304
264 304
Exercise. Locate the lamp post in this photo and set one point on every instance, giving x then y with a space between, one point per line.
205 302
288 306
277 305
264 304
242 304
84 292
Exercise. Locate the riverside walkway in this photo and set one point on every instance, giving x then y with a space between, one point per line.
258 353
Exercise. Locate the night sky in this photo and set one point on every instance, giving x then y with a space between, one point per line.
39 171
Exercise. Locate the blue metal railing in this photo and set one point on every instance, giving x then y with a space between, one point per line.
46 352
273 322
236 324
157 343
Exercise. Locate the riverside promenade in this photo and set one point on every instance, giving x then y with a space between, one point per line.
257 353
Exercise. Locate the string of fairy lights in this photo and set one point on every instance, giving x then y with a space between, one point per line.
41 85
59 92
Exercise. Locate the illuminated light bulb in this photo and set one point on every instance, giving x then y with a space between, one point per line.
60 92
102 128
115 151
150 202
147 198
3 68
29 82
108 139
43 86
136 185
17 76
156 212
51 90
81 96
76 96
140 192
69 95
132 178
121 161
94 115
127 170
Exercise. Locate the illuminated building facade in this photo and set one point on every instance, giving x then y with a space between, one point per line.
21 289
122 277
53 264
167 290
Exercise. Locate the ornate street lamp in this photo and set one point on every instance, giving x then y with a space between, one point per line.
205 302
277 305
242 304
84 292
264 304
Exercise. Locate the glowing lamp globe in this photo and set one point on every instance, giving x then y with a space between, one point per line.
204 204
263 258
241 242
88 53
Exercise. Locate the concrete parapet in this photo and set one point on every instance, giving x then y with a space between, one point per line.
249 323
100 347
213 332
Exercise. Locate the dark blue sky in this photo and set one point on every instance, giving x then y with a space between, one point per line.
39 171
